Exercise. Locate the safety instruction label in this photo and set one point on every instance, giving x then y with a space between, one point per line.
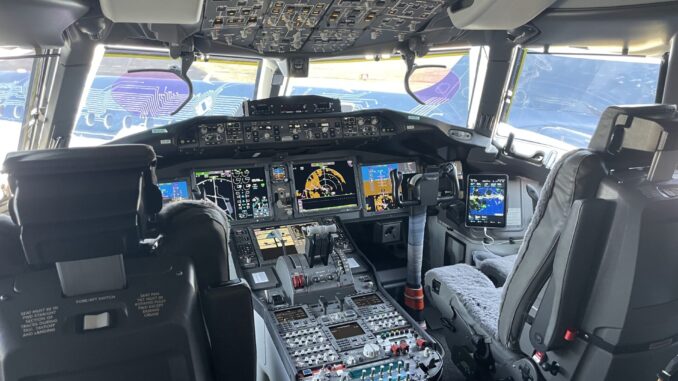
150 304
39 321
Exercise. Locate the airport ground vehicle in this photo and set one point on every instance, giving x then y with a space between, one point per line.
338 190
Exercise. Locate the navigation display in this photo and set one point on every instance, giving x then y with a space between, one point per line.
276 241
174 191
325 185
242 193
486 201
377 188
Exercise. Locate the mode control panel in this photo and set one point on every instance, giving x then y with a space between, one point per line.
292 130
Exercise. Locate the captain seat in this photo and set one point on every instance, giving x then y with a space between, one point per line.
566 311
98 300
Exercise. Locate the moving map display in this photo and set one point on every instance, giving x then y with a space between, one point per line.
276 241
377 188
174 191
486 201
325 186
242 193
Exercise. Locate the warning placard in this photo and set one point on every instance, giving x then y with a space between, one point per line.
39 321
150 304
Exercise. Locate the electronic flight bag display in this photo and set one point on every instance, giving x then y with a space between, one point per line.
486 201
325 185
377 187
241 192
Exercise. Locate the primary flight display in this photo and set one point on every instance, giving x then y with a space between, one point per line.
377 187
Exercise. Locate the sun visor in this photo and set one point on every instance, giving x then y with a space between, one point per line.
495 14
182 12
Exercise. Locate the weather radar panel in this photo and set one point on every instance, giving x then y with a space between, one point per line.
242 192
377 187
325 186
486 201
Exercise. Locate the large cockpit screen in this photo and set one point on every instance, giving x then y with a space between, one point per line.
486 201
242 193
276 241
377 188
325 186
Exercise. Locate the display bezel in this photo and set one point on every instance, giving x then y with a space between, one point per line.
466 212
265 167
295 206
362 199
187 180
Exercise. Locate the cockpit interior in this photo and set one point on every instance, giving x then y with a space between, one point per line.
338 190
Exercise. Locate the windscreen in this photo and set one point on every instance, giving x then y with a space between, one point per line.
325 185
365 83
241 192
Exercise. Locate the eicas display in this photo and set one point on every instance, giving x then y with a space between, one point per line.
242 193
486 201
325 186
377 187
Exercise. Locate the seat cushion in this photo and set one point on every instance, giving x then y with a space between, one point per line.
497 267
465 291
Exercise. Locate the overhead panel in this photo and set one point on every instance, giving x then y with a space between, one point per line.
313 26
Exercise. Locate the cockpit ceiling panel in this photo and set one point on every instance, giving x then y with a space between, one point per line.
313 26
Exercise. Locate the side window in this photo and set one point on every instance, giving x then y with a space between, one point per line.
15 78
220 85
557 99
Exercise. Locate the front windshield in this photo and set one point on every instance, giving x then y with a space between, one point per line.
363 83
220 85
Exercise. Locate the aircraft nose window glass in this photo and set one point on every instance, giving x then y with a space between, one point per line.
15 78
363 83
220 85
558 98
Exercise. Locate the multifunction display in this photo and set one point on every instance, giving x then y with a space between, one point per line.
325 185
377 187
242 192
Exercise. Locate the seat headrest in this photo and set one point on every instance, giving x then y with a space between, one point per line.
82 203
632 136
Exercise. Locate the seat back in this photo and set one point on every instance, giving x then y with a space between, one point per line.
603 301
575 177
99 307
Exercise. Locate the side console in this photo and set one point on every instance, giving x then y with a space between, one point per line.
327 314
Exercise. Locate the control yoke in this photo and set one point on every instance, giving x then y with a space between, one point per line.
419 189
319 243
417 192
